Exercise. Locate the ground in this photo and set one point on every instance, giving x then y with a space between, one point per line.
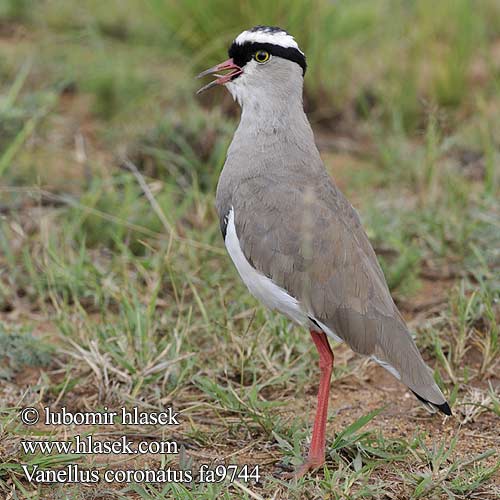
116 290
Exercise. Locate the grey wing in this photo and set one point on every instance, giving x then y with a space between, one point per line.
309 241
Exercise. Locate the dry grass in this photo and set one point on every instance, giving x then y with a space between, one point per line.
115 289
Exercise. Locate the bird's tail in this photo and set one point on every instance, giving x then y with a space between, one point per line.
400 352
433 407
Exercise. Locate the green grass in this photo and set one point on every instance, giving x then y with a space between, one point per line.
115 288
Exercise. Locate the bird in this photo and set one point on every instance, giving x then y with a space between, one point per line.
296 241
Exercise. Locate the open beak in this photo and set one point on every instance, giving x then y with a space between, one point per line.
235 70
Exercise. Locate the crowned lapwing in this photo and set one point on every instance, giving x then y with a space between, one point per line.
296 241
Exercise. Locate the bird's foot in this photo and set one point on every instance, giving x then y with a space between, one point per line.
309 465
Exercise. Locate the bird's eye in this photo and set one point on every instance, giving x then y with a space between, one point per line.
262 56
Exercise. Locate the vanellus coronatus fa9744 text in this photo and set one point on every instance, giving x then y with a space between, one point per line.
296 241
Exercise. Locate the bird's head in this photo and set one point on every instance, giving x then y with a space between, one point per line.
264 61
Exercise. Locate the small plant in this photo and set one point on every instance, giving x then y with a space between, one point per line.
20 350
461 476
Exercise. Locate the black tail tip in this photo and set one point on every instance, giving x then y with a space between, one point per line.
444 407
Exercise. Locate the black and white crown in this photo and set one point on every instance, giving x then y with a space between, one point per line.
275 40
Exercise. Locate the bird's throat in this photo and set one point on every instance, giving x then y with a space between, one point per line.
269 117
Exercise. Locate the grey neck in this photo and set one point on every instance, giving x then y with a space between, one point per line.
274 113
274 135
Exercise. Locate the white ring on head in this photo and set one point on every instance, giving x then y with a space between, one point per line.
281 38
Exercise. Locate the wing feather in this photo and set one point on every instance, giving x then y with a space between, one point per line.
309 240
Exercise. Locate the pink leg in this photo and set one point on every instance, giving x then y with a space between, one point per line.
316 456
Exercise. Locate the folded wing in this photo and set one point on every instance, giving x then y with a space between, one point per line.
309 240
